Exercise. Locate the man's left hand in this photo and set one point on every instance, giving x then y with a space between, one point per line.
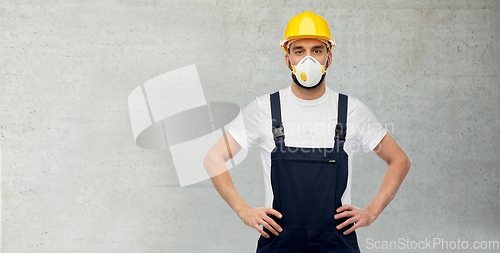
360 217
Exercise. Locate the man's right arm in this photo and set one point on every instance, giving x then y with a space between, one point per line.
215 164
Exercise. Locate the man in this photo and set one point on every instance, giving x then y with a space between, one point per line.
306 134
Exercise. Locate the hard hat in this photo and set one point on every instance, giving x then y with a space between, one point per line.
307 25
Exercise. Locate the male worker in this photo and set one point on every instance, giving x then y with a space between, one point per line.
306 134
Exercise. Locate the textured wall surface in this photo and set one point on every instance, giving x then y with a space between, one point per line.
72 179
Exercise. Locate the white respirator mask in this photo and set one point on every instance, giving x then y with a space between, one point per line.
308 73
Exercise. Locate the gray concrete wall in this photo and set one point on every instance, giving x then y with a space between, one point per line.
72 179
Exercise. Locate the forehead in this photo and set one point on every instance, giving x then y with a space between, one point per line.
307 43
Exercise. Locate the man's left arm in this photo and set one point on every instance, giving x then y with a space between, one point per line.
398 166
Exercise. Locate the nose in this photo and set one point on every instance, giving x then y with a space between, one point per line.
308 58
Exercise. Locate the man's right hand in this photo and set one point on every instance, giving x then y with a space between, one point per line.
253 217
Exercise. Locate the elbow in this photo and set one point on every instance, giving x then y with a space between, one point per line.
407 165
208 163
207 160
214 164
212 158
402 163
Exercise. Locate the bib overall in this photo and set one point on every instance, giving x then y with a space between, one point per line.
308 184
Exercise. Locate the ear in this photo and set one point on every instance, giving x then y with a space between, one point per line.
287 61
329 58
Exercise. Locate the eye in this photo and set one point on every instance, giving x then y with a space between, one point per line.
317 51
299 52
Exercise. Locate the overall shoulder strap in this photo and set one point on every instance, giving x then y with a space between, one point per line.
278 130
341 129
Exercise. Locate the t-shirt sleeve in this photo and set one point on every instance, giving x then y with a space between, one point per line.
368 131
245 129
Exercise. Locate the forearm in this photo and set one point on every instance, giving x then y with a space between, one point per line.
252 217
223 183
394 176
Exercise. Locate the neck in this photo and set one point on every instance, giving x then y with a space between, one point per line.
309 94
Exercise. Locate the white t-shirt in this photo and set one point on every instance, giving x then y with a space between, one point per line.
308 124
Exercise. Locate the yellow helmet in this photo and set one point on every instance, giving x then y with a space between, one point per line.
307 25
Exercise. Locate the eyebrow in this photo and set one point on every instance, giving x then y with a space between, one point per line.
313 48
297 47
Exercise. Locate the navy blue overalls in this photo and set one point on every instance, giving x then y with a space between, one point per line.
308 184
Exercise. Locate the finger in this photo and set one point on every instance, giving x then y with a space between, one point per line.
351 229
344 214
269 227
273 212
345 223
261 231
343 208
273 223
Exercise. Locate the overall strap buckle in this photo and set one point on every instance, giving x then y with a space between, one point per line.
340 133
278 132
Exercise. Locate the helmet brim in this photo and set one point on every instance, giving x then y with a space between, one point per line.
284 43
